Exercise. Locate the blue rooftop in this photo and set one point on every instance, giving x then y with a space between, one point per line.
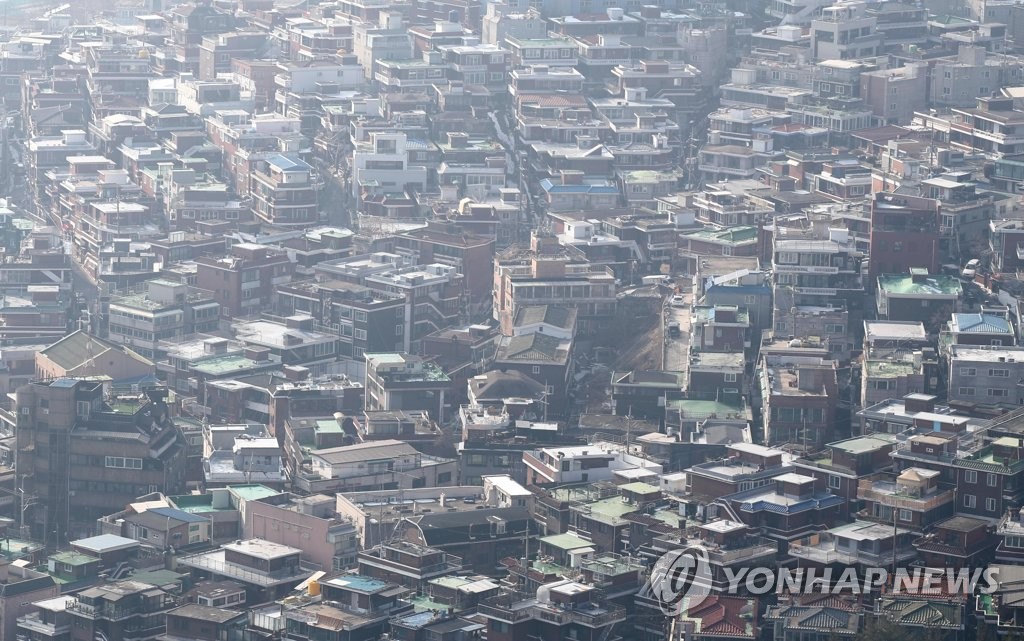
288 163
358 583
980 324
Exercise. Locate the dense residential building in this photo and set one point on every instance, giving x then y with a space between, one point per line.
243 282
130 439
438 322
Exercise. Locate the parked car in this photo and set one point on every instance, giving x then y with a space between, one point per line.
971 268
673 329
678 301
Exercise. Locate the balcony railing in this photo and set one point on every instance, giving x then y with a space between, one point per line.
218 566
866 491
825 554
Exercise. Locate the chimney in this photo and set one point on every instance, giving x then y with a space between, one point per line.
295 373
299 321
258 354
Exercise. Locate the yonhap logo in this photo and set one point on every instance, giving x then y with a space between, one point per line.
681 579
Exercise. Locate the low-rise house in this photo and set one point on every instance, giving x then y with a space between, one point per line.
563 609
80 354
581 463
861 544
309 522
406 382
989 328
203 623
957 542
745 466
986 375
789 507
127 608
844 463
913 499
268 570
370 465
643 394
799 396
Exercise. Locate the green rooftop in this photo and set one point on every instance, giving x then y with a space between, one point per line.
611 510
565 541
639 487
74 559
693 408
197 503
253 492
861 444
545 567
919 285
423 603
453 582
329 427
226 364
670 517
159 578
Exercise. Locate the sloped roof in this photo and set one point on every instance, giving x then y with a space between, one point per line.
922 613
724 616
511 384
980 324
555 315
78 348
533 347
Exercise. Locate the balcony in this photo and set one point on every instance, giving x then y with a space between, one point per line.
888 494
507 608
513 608
822 548
214 563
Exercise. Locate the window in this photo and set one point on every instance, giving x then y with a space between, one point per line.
990 505
444 477
730 378
998 392
120 462
835 329
966 391
834 482
536 369
991 479
999 373
971 476
906 516
969 500
399 330
968 371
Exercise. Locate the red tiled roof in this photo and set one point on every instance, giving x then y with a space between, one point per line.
723 616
